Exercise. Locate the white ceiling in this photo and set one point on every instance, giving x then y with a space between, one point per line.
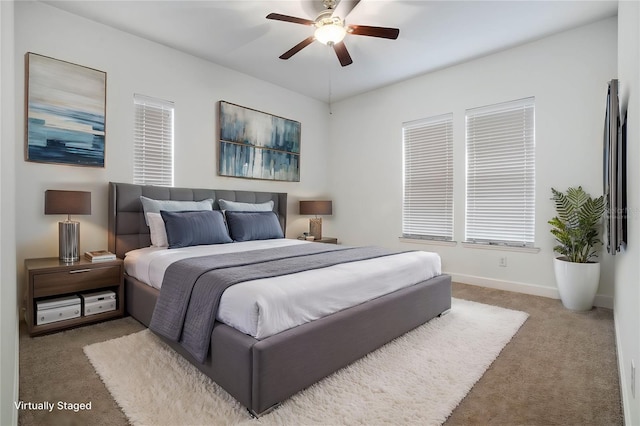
433 35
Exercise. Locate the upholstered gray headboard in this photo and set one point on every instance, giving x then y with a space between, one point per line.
127 227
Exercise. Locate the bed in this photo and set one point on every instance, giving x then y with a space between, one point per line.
262 372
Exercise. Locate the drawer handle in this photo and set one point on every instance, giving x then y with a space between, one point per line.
77 271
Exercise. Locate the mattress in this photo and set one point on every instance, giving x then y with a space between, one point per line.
264 307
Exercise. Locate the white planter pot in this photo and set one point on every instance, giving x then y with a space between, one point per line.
577 283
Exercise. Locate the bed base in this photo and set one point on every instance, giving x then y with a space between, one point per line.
261 374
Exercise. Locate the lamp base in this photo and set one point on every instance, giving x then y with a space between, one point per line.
315 227
69 241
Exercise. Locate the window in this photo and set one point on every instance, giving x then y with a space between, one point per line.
427 210
501 174
153 141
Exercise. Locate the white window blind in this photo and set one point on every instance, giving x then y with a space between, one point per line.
427 211
153 141
500 199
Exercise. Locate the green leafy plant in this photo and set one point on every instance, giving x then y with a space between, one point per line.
577 224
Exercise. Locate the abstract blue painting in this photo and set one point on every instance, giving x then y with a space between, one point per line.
257 145
65 112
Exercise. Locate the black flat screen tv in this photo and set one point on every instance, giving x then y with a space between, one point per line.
615 172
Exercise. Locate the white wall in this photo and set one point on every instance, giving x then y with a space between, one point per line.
567 73
134 65
8 298
627 269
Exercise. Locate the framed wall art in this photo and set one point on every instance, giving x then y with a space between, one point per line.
65 112
257 145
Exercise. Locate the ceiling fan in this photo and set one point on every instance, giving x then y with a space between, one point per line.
331 29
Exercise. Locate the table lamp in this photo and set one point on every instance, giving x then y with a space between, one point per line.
68 202
315 208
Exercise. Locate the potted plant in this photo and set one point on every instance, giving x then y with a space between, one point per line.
576 229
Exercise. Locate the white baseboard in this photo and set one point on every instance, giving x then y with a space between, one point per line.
525 288
603 301
623 374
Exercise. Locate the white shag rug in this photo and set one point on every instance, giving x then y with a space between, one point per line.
419 378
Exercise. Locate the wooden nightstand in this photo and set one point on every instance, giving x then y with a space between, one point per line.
327 240
50 278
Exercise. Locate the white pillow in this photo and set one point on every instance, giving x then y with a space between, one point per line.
157 230
151 205
236 206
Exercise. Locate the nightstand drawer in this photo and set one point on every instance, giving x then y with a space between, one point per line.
81 278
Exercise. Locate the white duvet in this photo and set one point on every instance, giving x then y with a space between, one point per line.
268 306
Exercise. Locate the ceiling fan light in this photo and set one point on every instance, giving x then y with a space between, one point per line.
330 33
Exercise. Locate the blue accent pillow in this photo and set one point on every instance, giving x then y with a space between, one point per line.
194 228
249 226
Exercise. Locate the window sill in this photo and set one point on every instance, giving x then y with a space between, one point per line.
500 247
427 242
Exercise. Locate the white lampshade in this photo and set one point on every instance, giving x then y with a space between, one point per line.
330 33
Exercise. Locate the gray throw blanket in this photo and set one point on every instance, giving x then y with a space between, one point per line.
187 307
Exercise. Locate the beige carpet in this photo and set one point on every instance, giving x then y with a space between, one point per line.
418 378
559 369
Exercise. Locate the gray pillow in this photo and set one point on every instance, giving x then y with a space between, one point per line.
236 206
249 226
154 206
194 228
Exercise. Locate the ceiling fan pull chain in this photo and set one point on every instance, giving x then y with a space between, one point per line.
329 74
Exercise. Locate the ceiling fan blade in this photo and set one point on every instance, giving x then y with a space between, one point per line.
381 32
298 47
287 18
343 54
344 8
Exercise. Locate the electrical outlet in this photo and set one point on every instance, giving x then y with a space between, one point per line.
633 379
503 261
